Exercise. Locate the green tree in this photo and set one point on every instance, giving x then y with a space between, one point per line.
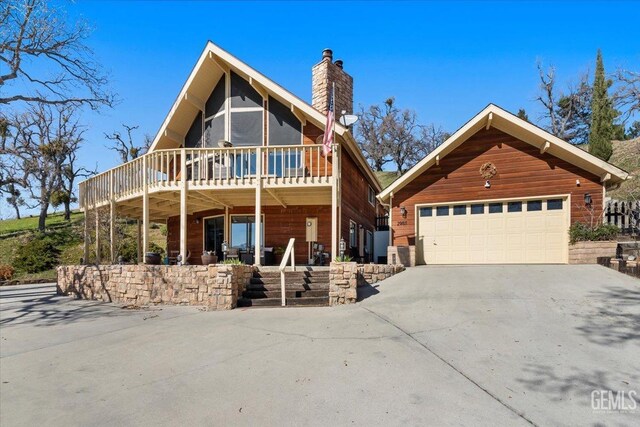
522 114
602 129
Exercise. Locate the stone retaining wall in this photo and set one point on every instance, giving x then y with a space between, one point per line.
588 252
346 277
405 255
215 286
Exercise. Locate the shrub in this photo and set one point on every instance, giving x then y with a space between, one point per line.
580 232
233 261
155 248
343 258
128 250
37 255
6 272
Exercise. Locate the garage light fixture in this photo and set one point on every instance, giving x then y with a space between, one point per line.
403 211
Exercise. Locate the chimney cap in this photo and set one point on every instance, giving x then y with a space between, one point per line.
339 63
327 53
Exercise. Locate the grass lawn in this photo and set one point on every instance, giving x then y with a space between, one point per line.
31 223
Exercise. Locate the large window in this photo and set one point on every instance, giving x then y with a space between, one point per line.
284 126
246 113
243 228
215 115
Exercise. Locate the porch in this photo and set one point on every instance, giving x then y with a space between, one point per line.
272 190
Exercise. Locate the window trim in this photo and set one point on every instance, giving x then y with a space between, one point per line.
354 234
372 200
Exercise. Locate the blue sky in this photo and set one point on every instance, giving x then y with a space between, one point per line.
444 60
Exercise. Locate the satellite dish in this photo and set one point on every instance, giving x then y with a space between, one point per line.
320 139
348 119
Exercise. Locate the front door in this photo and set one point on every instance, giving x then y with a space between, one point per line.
214 234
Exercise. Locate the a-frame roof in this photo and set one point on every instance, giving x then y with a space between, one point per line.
494 116
213 62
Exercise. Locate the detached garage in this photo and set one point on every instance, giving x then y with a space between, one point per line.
498 191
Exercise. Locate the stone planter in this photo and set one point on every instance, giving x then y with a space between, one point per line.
209 259
152 258
588 252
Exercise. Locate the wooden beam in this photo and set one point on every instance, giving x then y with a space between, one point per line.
544 147
275 196
489 120
219 62
606 177
194 100
174 136
299 115
259 88
214 199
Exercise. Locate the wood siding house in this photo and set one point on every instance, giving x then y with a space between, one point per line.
239 160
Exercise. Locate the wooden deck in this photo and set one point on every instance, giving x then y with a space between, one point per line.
207 170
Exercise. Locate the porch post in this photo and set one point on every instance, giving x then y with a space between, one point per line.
97 212
83 194
390 219
139 241
258 221
112 220
183 205
334 204
145 208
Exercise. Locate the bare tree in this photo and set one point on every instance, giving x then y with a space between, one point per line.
431 137
568 115
71 171
38 148
372 134
125 146
627 96
45 59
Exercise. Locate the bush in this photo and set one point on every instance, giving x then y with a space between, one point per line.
343 258
233 261
155 248
37 255
6 272
580 232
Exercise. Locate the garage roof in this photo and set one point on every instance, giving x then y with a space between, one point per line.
494 116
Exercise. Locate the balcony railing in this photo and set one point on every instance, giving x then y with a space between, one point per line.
209 168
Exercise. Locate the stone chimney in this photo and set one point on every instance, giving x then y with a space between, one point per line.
324 74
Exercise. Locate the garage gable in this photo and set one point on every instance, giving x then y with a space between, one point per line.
538 140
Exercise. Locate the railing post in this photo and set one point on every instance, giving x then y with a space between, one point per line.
258 220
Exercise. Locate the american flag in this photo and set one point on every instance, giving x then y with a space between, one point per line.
328 128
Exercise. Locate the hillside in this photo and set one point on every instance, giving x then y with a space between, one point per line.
386 178
626 155
67 237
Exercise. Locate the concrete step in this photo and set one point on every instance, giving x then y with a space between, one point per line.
290 274
288 294
288 280
276 302
288 287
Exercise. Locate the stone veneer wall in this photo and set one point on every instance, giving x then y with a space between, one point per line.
405 255
215 286
346 277
588 252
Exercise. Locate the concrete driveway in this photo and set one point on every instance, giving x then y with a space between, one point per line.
486 345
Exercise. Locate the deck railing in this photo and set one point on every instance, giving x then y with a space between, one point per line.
208 168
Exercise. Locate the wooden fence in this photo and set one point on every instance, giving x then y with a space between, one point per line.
625 215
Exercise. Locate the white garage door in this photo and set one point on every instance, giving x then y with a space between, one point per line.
501 232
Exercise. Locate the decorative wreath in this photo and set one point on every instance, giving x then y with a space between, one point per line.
488 170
